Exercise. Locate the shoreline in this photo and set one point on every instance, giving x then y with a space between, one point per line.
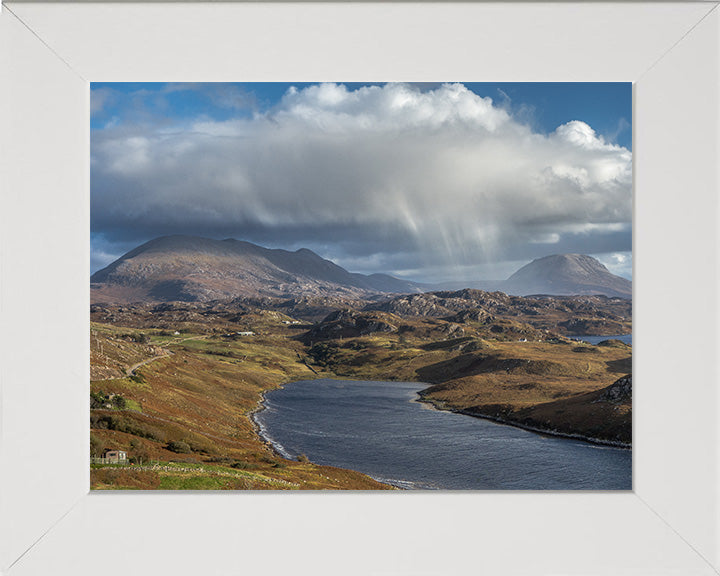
567 435
258 429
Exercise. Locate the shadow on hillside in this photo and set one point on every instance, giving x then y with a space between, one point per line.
624 365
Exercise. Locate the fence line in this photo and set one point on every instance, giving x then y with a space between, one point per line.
102 460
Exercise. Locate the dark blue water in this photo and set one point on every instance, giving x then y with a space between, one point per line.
627 338
380 429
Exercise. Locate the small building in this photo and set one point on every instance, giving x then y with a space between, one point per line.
247 333
115 456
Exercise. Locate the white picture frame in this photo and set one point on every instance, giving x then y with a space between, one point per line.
51 524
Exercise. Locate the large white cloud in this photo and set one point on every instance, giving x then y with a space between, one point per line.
442 175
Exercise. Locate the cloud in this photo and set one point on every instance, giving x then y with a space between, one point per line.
101 98
622 126
441 176
219 94
620 263
105 252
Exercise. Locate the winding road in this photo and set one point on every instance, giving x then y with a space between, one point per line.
131 370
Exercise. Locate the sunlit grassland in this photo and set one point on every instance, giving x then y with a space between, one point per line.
201 394
524 374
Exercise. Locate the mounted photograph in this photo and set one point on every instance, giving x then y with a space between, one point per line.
361 286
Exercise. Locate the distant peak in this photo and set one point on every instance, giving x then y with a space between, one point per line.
568 258
567 274
565 257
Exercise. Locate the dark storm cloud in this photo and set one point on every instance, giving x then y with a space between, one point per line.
379 179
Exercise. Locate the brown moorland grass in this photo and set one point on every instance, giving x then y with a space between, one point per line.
587 412
524 378
204 399
113 349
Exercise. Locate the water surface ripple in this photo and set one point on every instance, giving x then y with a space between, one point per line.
380 429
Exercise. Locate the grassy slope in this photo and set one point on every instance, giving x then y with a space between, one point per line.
609 421
551 386
202 395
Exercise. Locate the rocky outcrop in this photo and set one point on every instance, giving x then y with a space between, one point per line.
620 392
565 315
471 315
349 324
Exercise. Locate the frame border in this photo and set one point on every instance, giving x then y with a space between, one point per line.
49 522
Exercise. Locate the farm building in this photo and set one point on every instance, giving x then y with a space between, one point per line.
118 456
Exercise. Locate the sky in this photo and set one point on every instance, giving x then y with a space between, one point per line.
431 182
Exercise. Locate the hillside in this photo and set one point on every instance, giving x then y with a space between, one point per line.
179 404
603 413
567 315
193 269
561 388
174 384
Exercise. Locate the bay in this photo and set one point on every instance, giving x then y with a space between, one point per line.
381 429
627 338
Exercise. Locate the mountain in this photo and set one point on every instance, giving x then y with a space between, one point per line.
556 275
194 269
566 274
